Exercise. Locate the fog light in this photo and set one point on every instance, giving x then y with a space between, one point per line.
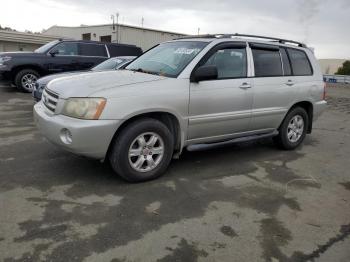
66 136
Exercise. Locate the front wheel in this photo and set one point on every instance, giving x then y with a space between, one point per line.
293 129
142 151
25 80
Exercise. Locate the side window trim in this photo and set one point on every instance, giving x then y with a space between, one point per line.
289 61
108 55
219 46
283 74
264 47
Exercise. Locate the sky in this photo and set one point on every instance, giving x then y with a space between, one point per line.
321 24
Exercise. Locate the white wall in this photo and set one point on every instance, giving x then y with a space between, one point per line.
15 46
143 38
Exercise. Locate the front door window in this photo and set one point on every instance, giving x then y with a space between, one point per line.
66 49
230 62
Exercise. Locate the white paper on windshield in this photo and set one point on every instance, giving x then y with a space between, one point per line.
187 51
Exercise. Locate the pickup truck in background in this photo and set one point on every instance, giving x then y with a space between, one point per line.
24 68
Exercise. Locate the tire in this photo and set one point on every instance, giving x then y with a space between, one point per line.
290 135
126 142
31 76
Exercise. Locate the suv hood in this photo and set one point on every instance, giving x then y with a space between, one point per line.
86 84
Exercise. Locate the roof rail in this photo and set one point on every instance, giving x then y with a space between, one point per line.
279 40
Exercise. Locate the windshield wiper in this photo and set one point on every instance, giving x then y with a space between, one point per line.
144 71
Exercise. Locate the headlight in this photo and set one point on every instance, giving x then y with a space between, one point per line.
84 108
5 59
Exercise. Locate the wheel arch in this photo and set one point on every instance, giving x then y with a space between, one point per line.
308 107
167 118
35 67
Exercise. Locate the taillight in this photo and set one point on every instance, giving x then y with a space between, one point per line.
324 90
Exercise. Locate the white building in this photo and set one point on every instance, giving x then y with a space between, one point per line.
18 41
125 34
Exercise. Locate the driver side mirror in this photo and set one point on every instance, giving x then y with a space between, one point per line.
53 52
206 72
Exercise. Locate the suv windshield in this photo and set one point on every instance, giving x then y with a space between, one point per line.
45 48
167 59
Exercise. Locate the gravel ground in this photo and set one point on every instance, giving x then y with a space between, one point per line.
242 202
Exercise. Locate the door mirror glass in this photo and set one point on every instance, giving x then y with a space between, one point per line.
206 72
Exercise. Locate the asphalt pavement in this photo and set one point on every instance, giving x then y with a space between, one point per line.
239 202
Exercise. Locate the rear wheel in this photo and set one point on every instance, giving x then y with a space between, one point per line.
142 151
25 80
293 129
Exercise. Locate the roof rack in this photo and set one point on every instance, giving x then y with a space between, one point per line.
279 40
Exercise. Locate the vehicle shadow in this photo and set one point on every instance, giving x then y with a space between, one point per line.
210 162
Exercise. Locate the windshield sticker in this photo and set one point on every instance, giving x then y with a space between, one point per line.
186 51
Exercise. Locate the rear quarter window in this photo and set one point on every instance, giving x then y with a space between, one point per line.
300 63
120 50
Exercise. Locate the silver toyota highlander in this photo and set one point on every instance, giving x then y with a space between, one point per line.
194 90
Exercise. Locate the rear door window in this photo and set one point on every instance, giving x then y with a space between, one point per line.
92 50
300 63
267 62
230 62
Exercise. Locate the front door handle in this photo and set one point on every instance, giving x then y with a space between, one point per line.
245 86
290 82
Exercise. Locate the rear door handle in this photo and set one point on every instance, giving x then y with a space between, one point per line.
245 86
289 83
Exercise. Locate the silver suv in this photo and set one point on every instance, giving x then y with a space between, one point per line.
194 90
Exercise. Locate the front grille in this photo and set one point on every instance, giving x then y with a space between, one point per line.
50 99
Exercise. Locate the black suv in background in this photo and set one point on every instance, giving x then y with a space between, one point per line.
24 68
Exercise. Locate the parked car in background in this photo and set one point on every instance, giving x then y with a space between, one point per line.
24 68
110 64
188 91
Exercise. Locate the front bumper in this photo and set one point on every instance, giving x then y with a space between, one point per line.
89 138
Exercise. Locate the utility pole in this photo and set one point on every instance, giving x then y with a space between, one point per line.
142 20
198 31
113 26
117 15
